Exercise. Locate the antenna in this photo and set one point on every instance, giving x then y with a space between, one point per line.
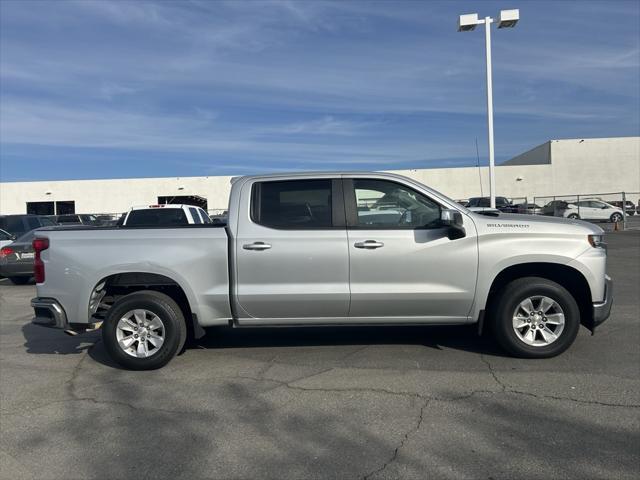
478 164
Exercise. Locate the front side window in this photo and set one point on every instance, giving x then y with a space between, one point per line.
292 204
4 235
385 204
204 216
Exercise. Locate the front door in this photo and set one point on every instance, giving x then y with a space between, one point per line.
402 262
292 260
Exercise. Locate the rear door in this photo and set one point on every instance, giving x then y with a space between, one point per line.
291 252
402 263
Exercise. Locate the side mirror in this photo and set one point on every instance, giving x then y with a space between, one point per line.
452 219
12 237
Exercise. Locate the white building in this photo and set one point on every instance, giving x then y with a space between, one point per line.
557 167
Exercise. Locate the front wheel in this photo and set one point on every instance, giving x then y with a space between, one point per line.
615 218
144 330
574 216
535 318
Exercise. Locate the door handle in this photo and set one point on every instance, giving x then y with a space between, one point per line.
256 246
368 244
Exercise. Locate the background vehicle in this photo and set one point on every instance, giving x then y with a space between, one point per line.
16 259
165 215
593 210
221 218
630 208
78 219
107 220
502 203
6 238
555 208
529 208
19 224
325 249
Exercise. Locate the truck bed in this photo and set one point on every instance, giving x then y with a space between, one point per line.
79 258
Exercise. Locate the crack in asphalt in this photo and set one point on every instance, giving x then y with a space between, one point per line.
492 372
549 397
409 432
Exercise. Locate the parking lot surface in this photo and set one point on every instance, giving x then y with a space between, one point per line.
402 402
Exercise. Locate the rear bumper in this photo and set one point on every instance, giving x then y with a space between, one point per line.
49 313
16 270
602 310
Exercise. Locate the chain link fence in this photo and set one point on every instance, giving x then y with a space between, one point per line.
612 211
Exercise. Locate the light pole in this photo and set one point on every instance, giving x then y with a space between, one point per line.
508 19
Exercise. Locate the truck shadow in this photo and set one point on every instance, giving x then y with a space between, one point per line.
42 340
39 340
435 337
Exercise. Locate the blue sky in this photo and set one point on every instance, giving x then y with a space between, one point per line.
107 89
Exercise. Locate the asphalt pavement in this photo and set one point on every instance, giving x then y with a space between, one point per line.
334 403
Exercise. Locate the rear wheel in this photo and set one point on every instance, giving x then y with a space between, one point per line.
19 280
573 216
144 330
615 218
535 318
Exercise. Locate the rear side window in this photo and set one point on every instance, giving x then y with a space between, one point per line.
33 222
13 225
27 237
157 217
292 204
195 215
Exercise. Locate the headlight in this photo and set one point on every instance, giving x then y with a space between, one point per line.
597 241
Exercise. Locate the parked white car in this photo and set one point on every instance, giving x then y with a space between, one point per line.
165 215
593 210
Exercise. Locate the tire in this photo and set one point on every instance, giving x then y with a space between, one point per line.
19 280
573 216
158 307
615 218
509 303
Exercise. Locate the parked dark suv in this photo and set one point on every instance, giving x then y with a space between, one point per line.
78 219
18 225
502 204
629 209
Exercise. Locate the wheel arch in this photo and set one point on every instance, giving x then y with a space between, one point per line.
117 285
568 277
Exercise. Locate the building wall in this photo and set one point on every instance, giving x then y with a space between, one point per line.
600 165
580 166
539 155
112 196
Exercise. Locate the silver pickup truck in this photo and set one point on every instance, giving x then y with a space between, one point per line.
326 249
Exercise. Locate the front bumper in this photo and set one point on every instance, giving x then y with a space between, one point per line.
602 310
